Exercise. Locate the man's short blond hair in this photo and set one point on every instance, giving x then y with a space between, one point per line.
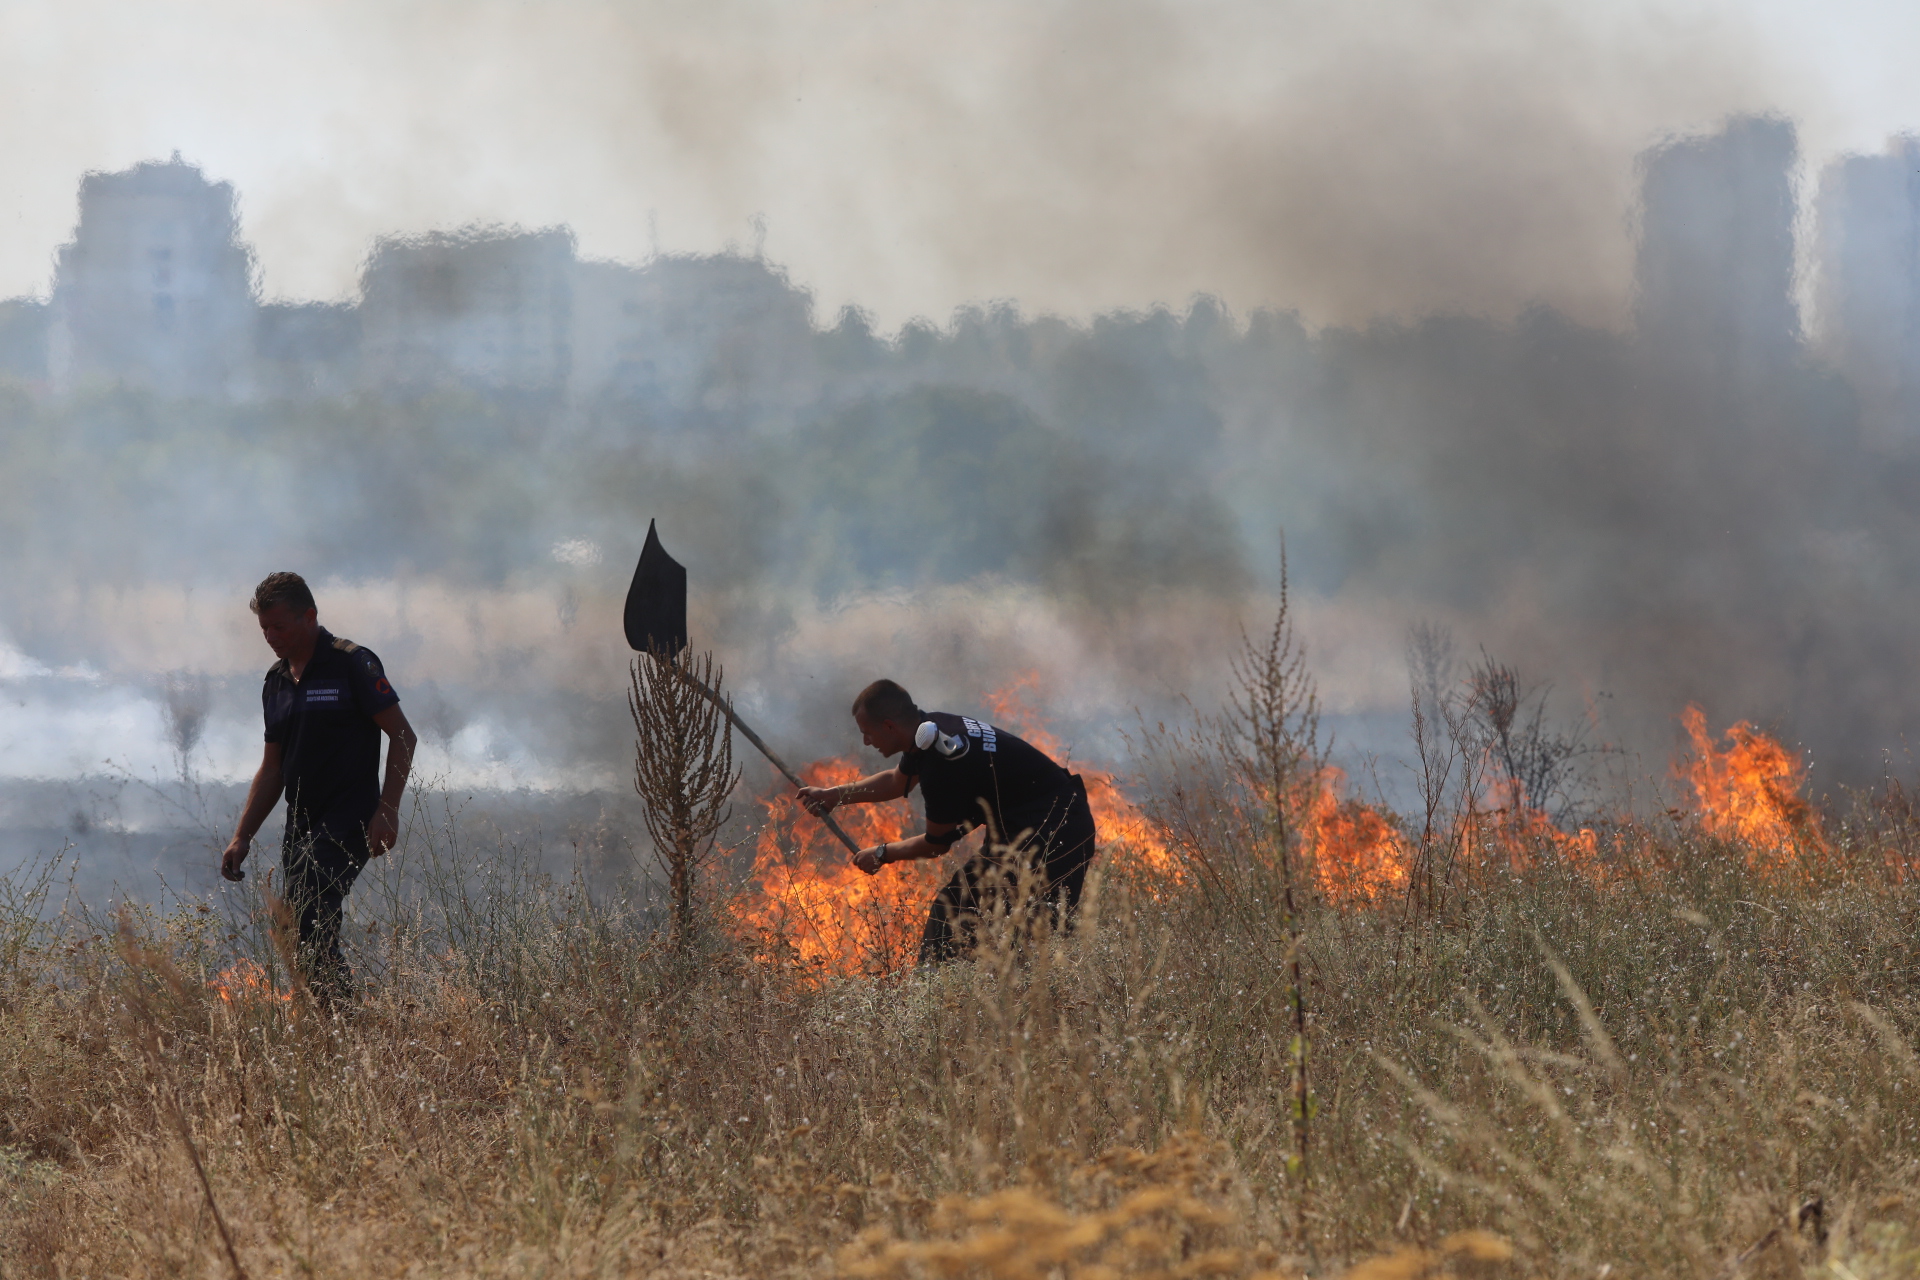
885 700
289 589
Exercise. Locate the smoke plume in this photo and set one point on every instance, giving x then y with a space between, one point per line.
1496 313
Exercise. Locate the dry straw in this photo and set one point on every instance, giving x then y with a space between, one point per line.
1531 1070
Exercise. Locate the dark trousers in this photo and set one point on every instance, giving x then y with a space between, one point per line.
1051 852
319 867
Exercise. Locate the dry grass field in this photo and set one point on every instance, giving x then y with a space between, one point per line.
1680 1046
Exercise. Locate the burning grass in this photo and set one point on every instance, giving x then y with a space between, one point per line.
1634 1049
823 915
820 911
1751 792
1360 856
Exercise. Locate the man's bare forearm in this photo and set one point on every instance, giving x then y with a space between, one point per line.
878 788
912 849
399 768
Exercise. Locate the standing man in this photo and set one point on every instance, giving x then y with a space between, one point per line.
971 774
327 702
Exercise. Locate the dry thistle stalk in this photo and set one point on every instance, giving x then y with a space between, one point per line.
1274 714
683 767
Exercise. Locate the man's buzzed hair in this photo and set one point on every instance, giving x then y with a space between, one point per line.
289 589
885 700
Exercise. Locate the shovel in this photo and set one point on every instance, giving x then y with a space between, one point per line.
656 623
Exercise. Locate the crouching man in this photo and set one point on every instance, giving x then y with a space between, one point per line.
327 702
1038 824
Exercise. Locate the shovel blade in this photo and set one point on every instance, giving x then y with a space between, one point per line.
656 613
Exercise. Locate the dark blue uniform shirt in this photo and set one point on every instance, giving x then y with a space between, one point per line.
330 746
973 771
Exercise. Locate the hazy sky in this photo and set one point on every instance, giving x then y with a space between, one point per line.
1346 158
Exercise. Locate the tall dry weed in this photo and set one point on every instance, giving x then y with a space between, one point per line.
1648 1072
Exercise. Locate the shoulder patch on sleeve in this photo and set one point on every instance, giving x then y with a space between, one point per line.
345 645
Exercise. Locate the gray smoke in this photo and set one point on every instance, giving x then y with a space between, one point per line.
185 702
1705 501
1350 160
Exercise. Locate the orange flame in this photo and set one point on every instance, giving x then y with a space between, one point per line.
1750 792
1126 835
821 911
1359 856
1521 836
816 905
244 980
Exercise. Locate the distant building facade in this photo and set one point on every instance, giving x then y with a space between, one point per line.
696 342
156 289
489 311
1714 273
1868 214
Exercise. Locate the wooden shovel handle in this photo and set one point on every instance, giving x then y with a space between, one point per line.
726 709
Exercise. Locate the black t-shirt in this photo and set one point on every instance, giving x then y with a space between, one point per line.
330 746
972 770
